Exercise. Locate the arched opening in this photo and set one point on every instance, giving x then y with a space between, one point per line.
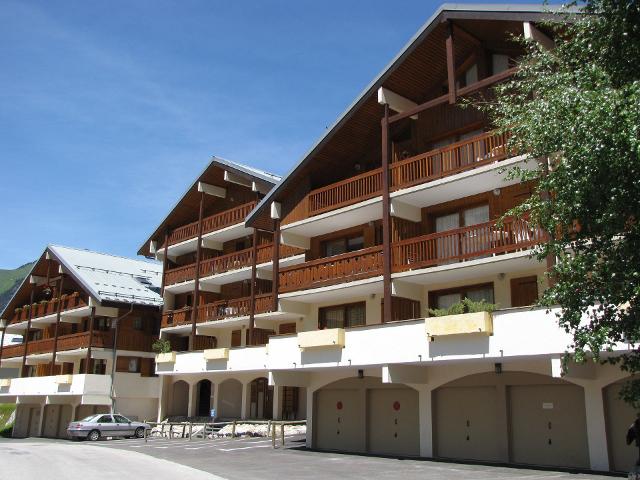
203 403
515 417
229 399
179 399
619 415
260 399
365 415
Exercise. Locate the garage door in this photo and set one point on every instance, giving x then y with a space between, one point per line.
393 425
466 423
339 420
34 422
50 423
619 416
65 418
548 425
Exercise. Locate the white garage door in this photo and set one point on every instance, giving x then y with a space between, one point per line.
393 426
466 423
339 420
619 416
548 425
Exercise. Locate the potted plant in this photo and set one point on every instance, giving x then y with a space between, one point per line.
162 347
465 317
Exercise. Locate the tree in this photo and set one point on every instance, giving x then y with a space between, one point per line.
578 107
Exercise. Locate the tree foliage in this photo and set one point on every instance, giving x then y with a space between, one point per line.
578 107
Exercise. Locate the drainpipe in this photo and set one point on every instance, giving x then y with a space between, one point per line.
113 358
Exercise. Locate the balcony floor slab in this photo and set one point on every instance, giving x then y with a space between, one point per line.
337 292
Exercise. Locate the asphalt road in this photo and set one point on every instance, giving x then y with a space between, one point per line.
230 459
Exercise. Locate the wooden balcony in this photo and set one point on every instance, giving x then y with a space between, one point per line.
332 270
212 223
220 310
465 155
101 339
465 243
69 302
227 263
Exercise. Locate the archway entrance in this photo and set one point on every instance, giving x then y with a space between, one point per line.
203 405
261 399
230 399
179 399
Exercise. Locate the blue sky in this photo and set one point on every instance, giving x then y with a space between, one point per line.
108 110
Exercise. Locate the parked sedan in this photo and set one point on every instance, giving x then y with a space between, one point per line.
105 425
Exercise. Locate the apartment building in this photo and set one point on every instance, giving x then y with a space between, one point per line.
396 210
219 300
87 321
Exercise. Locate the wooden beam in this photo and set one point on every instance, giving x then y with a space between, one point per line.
165 262
395 101
532 33
212 190
275 284
87 361
461 32
196 285
451 64
26 333
252 297
57 329
386 219
3 324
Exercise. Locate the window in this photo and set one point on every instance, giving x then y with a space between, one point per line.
121 419
342 245
445 298
137 323
499 63
105 419
343 316
134 365
102 324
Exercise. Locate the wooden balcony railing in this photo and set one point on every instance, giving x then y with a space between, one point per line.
69 302
465 243
467 154
346 192
331 270
173 318
101 339
464 155
226 263
237 307
218 221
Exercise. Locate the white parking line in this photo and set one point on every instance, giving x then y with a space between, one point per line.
242 448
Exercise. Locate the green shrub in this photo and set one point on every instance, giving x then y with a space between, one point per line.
161 346
465 306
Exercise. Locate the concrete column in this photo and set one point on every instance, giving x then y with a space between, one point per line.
163 396
244 412
73 411
310 412
596 429
425 415
277 402
216 394
41 420
191 409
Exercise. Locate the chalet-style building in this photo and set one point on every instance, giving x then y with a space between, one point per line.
219 305
397 210
88 321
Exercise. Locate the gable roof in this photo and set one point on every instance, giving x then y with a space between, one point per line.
105 277
248 172
446 11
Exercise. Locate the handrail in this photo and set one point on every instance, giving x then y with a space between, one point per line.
180 316
465 243
211 223
345 192
464 155
330 270
69 302
73 341
237 307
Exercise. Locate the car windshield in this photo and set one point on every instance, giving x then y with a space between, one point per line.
90 418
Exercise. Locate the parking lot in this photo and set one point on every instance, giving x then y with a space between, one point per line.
227 458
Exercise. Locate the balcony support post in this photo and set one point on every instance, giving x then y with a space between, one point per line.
276 264
4 329
52 368
165 262
386 219
196 286
451 67
87 361
26 333
252 299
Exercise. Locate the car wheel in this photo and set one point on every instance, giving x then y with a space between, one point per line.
93 435
140 432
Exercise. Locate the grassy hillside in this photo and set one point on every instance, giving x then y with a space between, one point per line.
10 280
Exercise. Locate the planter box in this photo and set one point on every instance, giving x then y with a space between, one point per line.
166 357
5 382
464 324
332 337
216 354
63 379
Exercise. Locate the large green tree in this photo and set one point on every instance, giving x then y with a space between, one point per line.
578 106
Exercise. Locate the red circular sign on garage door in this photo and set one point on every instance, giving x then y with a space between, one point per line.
339 405
396 405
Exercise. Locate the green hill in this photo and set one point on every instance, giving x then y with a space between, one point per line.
10 280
